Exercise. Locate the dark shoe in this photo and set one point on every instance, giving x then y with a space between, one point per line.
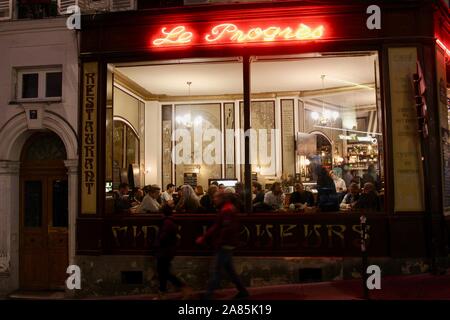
161 296
242 295
206 296
186 292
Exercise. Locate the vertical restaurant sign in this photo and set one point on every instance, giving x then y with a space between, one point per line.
408 175
89 139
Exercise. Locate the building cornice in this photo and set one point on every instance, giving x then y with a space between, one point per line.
35 25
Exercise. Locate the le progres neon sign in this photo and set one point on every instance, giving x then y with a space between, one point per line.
231 33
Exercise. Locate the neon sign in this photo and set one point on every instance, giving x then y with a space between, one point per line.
440 44
230 33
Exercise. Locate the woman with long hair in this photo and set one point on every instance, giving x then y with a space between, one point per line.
275 197
189 201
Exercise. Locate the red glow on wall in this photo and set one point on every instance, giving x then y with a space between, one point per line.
440 44
231 33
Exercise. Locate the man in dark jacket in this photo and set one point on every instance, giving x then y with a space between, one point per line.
368 200
165 252
225 237
301 197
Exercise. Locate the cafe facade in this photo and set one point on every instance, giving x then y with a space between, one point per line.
264 92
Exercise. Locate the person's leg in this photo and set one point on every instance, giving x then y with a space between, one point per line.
214 281
229 268
163 271
171 277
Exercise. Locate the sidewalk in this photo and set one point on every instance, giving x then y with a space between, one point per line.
413 287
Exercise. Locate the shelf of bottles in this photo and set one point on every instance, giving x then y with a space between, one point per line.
360 155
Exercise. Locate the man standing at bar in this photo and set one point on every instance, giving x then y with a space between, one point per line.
225 236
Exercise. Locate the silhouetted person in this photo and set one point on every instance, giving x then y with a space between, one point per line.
225 236
371 177
328 199
165 252
207 201
121 198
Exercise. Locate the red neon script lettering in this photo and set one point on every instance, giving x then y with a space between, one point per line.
230 32
177 35
442 45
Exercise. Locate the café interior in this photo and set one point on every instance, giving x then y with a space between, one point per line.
181 121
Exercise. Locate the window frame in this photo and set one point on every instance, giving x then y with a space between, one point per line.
42 83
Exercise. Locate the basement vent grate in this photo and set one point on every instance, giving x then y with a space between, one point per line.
310 275
132 277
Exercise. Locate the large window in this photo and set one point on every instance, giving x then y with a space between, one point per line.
314 119
328 104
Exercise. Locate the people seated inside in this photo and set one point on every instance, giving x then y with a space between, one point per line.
301 198
229 190
328 199
207 201
215 183
351 197
240 191
347 176
371 177
199 191
177 195
121 198
167 196
368 200
258 193
137 195
150 203
275 197
339 183
189 201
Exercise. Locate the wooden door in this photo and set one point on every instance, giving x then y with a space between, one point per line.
43 224
44 254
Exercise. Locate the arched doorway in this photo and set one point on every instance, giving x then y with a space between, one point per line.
43 213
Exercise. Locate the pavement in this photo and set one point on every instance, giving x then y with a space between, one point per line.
405 287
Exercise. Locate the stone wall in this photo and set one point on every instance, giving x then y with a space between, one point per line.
101 275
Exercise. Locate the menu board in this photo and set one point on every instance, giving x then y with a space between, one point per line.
166 145
408 175
287 134
190 179
228 109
